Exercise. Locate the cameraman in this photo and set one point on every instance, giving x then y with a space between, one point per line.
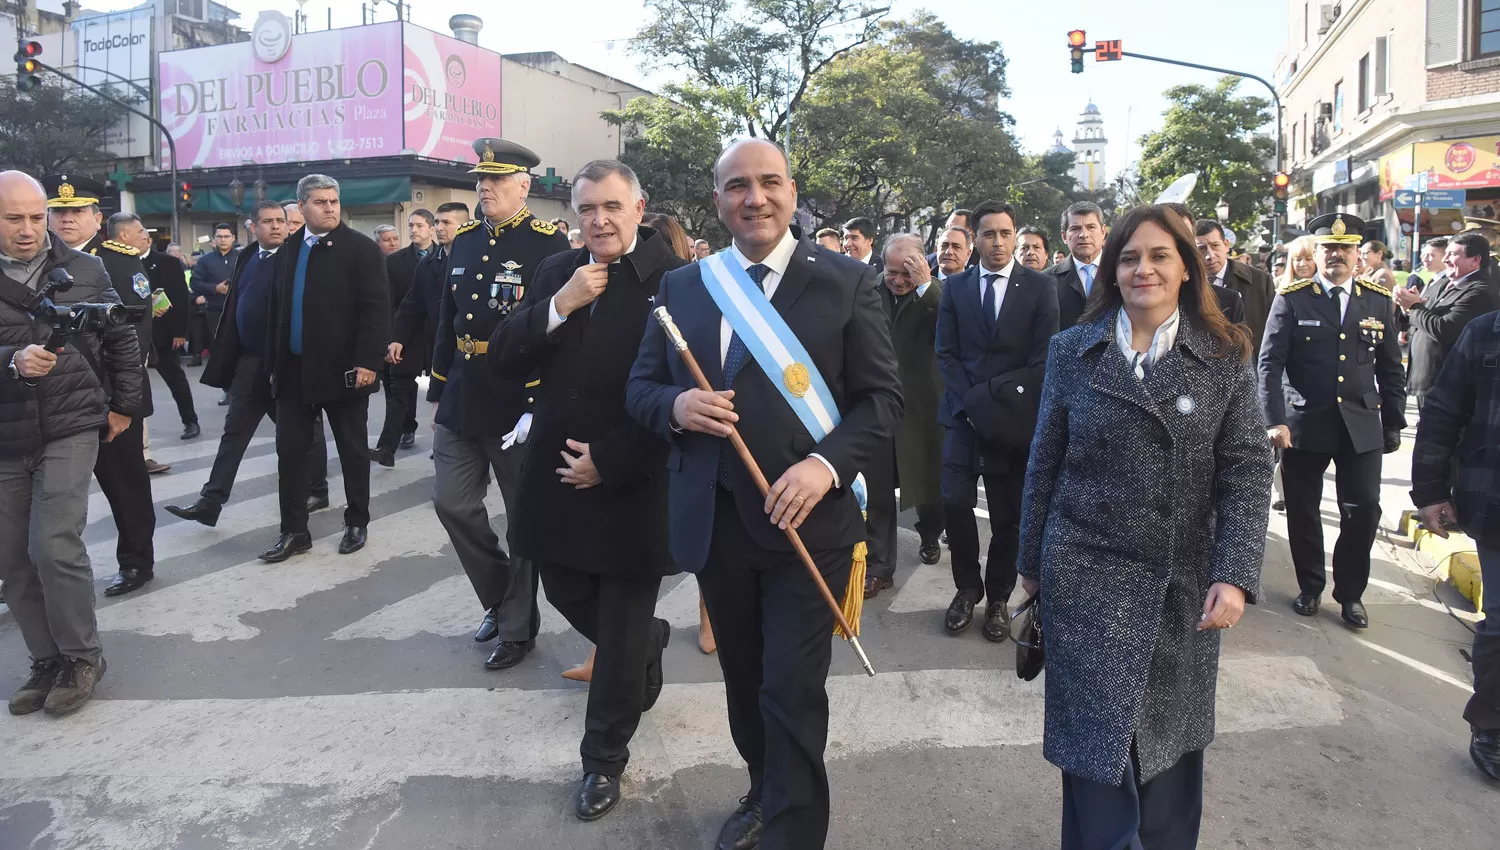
54 408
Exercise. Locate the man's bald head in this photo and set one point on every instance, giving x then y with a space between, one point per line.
23 215
735 147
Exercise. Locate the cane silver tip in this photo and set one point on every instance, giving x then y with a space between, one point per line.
669 327
863 659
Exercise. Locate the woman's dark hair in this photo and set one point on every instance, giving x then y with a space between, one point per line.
1196 299
670 230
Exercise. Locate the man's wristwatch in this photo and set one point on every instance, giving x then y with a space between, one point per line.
15 373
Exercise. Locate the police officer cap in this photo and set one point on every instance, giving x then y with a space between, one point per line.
497 157
65 192
1337 229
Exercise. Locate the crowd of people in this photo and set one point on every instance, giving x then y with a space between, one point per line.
1142 374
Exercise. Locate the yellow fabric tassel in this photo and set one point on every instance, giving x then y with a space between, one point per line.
854 594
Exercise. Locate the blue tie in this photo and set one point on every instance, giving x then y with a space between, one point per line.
988 308
734 359
1087 273
299 283
264 255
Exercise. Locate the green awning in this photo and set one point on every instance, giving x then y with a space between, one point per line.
354 192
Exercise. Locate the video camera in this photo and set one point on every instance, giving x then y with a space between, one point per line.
68 319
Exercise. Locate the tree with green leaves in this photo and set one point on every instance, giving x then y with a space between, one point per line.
55 128
759 55
1213 131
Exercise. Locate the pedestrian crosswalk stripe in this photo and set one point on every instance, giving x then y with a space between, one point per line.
163 449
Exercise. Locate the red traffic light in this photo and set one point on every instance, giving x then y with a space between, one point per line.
1281 180
1077 38
186 186
31 48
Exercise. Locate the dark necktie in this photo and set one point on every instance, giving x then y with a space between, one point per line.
264 255
1337 294
988 304
734 359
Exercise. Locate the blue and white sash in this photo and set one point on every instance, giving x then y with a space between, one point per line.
771 342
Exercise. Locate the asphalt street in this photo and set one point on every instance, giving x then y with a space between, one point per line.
339 702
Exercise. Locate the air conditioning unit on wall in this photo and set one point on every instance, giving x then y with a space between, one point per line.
1327 14
1325 110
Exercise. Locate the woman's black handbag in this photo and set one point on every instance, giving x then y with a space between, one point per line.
1031 654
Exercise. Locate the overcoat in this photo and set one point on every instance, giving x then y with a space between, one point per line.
401 270
618 527
1139 496
919 437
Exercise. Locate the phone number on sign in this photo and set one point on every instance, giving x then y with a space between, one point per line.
367 143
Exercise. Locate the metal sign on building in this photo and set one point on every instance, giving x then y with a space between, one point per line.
114 50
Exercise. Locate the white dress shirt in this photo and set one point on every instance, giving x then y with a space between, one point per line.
1001 284
554 318
1161 342
1343 294
922 290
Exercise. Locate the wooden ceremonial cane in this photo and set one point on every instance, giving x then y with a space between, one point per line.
675 337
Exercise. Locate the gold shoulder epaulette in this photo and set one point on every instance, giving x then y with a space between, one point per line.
466 227
546 228
120 248
1294 286
1375 287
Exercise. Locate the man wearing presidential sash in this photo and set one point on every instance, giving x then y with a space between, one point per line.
794 337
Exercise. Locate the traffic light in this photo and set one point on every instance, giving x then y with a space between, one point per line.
184 196
1281 183
27 65
1076 40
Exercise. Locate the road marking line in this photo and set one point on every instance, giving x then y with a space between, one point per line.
1419 666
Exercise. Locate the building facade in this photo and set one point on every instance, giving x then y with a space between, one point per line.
1381 97
1089 145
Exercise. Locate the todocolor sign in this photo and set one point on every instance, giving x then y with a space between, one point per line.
334 94
451 95
114 51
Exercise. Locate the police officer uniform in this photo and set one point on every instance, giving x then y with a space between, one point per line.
489 267
1344 401
121 464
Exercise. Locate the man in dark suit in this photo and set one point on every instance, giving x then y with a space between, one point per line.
414 326
1230 301
330 321
994 323
959 218
1083 231
859 242
400 378
169 331
1254 286
769 617
596 526
955 248
912 297
210 281
1343 401
1436 318
236 365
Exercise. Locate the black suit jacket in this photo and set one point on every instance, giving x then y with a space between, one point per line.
1258 290
1436 324
619 527
401 271
127 275
1233 307
993 381
830 303
415 322
346 313
1071 299
168 274
224 353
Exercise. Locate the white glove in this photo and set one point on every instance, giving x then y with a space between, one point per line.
517 435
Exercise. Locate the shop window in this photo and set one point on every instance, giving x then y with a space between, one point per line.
1485 33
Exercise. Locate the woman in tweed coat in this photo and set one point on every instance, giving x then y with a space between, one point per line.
1144 521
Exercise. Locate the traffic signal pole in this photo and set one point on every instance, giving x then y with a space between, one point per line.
167 134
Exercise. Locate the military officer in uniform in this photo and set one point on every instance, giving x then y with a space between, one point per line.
73 213
1344 401
482 418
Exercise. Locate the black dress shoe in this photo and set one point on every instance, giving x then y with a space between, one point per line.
508 654
655 677
354 539
597 794
317 503
1484 749
195 360
191 430
996 622
489 627
1278 505
1355 615
287 546
203 510
930 553
128 579
384 457
875 584
408 440
1306 605
742 830
224 400
961 611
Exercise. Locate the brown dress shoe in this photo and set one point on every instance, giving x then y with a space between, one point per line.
75 686
875 584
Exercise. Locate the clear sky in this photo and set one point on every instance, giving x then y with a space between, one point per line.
1241 35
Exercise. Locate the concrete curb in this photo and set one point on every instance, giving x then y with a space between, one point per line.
1456 556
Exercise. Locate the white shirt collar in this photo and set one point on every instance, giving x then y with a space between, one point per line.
272 250
309 237
777 261
1161 342
867 259
1004 273
628 251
